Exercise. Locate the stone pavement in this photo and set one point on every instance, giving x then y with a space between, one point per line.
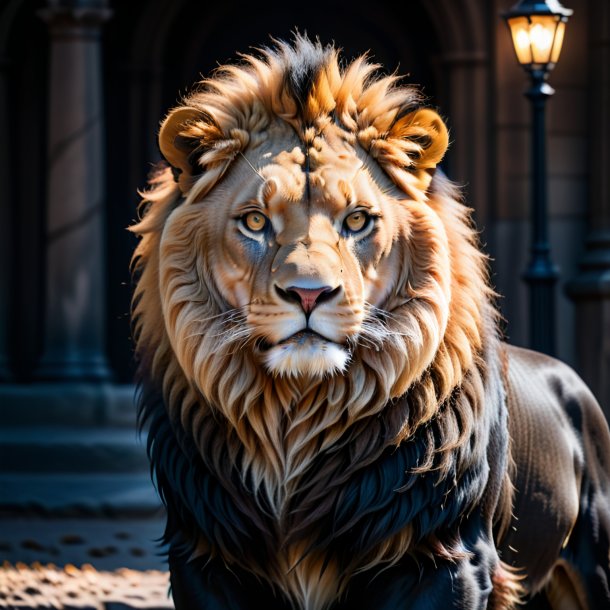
39 587
82 564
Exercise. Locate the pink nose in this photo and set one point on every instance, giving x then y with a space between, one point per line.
309 298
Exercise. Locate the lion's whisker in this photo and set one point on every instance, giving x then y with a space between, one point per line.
256 171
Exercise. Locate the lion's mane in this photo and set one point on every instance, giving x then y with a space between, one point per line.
343 473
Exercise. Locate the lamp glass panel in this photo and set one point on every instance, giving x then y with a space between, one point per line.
519 29
542 36
561 28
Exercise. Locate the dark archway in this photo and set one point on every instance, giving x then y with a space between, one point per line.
156 51
23 124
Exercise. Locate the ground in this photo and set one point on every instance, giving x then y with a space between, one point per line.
82 564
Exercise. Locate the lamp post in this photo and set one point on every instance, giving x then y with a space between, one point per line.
537 28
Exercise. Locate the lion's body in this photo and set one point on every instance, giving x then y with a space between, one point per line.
327 397
561 451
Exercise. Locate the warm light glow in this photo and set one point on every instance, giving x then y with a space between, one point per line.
542 34
542 40
537 39
519 27
522 39
561 28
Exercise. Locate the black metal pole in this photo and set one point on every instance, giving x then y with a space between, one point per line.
541 275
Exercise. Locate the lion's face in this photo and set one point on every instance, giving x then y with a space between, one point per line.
301 243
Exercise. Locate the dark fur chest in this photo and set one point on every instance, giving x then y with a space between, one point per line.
356 510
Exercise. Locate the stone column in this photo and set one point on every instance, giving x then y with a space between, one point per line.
466 97
74 335
590 290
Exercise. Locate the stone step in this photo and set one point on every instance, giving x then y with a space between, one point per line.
101 494
106 543
77 404
63 449
71 449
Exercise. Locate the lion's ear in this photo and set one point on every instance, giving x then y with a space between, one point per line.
180 138
425 139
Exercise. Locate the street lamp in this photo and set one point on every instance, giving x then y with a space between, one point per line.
537 28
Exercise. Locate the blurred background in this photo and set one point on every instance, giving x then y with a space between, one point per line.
83 87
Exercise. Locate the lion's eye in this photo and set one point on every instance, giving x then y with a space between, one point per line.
254 221
356 222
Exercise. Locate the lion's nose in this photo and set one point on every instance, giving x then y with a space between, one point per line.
308 298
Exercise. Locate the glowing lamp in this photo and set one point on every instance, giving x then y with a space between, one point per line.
537 29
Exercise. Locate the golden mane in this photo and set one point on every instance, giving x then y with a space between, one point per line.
431 362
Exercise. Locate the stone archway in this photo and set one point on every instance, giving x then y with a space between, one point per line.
464 71
444 44
155 52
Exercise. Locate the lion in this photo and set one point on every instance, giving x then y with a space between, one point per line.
333 418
